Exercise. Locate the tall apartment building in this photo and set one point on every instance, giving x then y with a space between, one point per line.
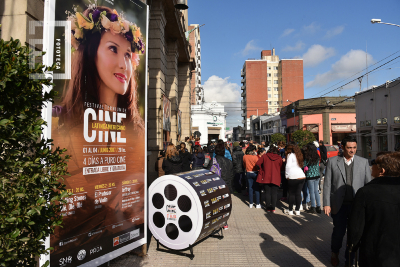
269 82
196 90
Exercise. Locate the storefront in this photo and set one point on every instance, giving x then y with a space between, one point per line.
340 131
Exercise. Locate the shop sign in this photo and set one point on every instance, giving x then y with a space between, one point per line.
362 123
397 119
384 120
333 119
343 128
368 123
379 121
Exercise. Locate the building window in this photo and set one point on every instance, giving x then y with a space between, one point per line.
269 75
275 74
275 81
269 81
269 68
276 103
269 110
276 95
275 68
276 89
269 95
269 88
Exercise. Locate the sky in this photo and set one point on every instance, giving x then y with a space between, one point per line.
335 39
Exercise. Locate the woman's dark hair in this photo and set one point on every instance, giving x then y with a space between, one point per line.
250 148
390 162
84 83
197 150
273 150
241 144
311 154
260 150
205 149
296 150
220 149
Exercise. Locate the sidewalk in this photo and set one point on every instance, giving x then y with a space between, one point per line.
254 238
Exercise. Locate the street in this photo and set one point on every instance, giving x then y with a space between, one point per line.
254 238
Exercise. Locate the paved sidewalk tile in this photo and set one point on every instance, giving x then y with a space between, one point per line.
254 238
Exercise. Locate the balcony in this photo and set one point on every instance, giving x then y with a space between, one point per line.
243 115
244 121
243 94
244 87
242 73
243 81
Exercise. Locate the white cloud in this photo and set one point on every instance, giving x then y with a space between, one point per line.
347 65
299 46
312 28
250 46
333 32
317 54
287 32
220 89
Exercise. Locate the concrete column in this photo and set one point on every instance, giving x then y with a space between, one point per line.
171 85
325 127
15 16
156 85
184 97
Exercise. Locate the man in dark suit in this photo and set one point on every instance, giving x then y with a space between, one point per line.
344 175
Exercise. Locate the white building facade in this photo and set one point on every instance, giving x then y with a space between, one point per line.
378 119
209 119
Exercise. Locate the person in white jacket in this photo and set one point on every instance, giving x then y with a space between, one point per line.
295 176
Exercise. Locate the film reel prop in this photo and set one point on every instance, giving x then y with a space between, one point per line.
188 207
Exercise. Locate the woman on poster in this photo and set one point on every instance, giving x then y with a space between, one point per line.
106 49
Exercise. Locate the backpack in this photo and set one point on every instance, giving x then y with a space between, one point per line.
206 160
215 167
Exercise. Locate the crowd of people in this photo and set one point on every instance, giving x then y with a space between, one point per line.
362 199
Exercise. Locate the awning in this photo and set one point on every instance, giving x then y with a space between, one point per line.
214 130
314 128
343 128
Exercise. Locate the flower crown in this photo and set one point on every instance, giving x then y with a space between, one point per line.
101 20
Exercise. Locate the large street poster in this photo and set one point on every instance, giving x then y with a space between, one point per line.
100 118
166 114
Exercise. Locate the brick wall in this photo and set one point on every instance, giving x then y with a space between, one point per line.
292 80
256 87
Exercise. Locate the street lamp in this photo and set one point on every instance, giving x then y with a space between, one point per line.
373 21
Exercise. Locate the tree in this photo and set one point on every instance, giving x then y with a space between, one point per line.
303 137
31 187
276 137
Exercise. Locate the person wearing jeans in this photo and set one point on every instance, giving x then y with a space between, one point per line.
311 163
254 187
249 162
296 177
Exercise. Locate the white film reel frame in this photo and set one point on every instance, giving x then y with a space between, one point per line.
195 213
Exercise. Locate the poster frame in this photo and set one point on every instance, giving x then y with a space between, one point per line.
48 36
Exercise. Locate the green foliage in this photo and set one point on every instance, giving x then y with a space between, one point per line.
303 137
31 194
276 137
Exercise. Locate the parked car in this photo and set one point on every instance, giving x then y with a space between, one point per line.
332 151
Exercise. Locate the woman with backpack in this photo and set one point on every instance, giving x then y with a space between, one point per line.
172 162
249 162
198 158
311 164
